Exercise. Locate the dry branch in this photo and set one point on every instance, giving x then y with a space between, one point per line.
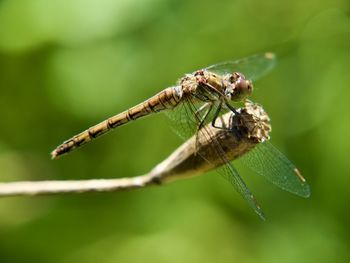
248 128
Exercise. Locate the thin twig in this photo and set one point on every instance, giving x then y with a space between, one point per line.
74 186
186 161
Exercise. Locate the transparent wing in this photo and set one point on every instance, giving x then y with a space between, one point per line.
186 117
182 119
253 67
269 162
227 170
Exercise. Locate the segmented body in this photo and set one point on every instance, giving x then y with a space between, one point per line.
190 85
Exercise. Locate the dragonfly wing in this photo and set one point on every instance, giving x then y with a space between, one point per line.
183 120
187 116
269 162
227 170
253 67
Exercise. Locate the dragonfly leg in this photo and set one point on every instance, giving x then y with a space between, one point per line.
216 116
234 129
201 120
215 91
219 95
202 97
233 109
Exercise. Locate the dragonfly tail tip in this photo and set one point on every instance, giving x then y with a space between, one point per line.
54 155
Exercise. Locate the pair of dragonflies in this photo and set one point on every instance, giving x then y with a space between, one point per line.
199 99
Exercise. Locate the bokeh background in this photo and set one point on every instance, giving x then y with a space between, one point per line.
65 65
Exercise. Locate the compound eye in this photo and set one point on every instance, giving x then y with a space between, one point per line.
241 85
250 87
244 87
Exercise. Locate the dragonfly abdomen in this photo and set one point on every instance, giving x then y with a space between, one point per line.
166 99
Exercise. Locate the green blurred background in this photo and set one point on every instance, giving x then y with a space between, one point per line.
65 65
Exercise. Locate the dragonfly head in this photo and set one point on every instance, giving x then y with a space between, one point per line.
240 88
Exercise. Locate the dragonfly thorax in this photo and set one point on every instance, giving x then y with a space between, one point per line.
209 86
237 87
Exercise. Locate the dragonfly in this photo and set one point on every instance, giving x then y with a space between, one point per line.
199 99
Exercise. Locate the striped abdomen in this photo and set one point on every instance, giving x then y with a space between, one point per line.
166 99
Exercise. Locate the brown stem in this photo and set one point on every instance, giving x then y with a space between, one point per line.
186 161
